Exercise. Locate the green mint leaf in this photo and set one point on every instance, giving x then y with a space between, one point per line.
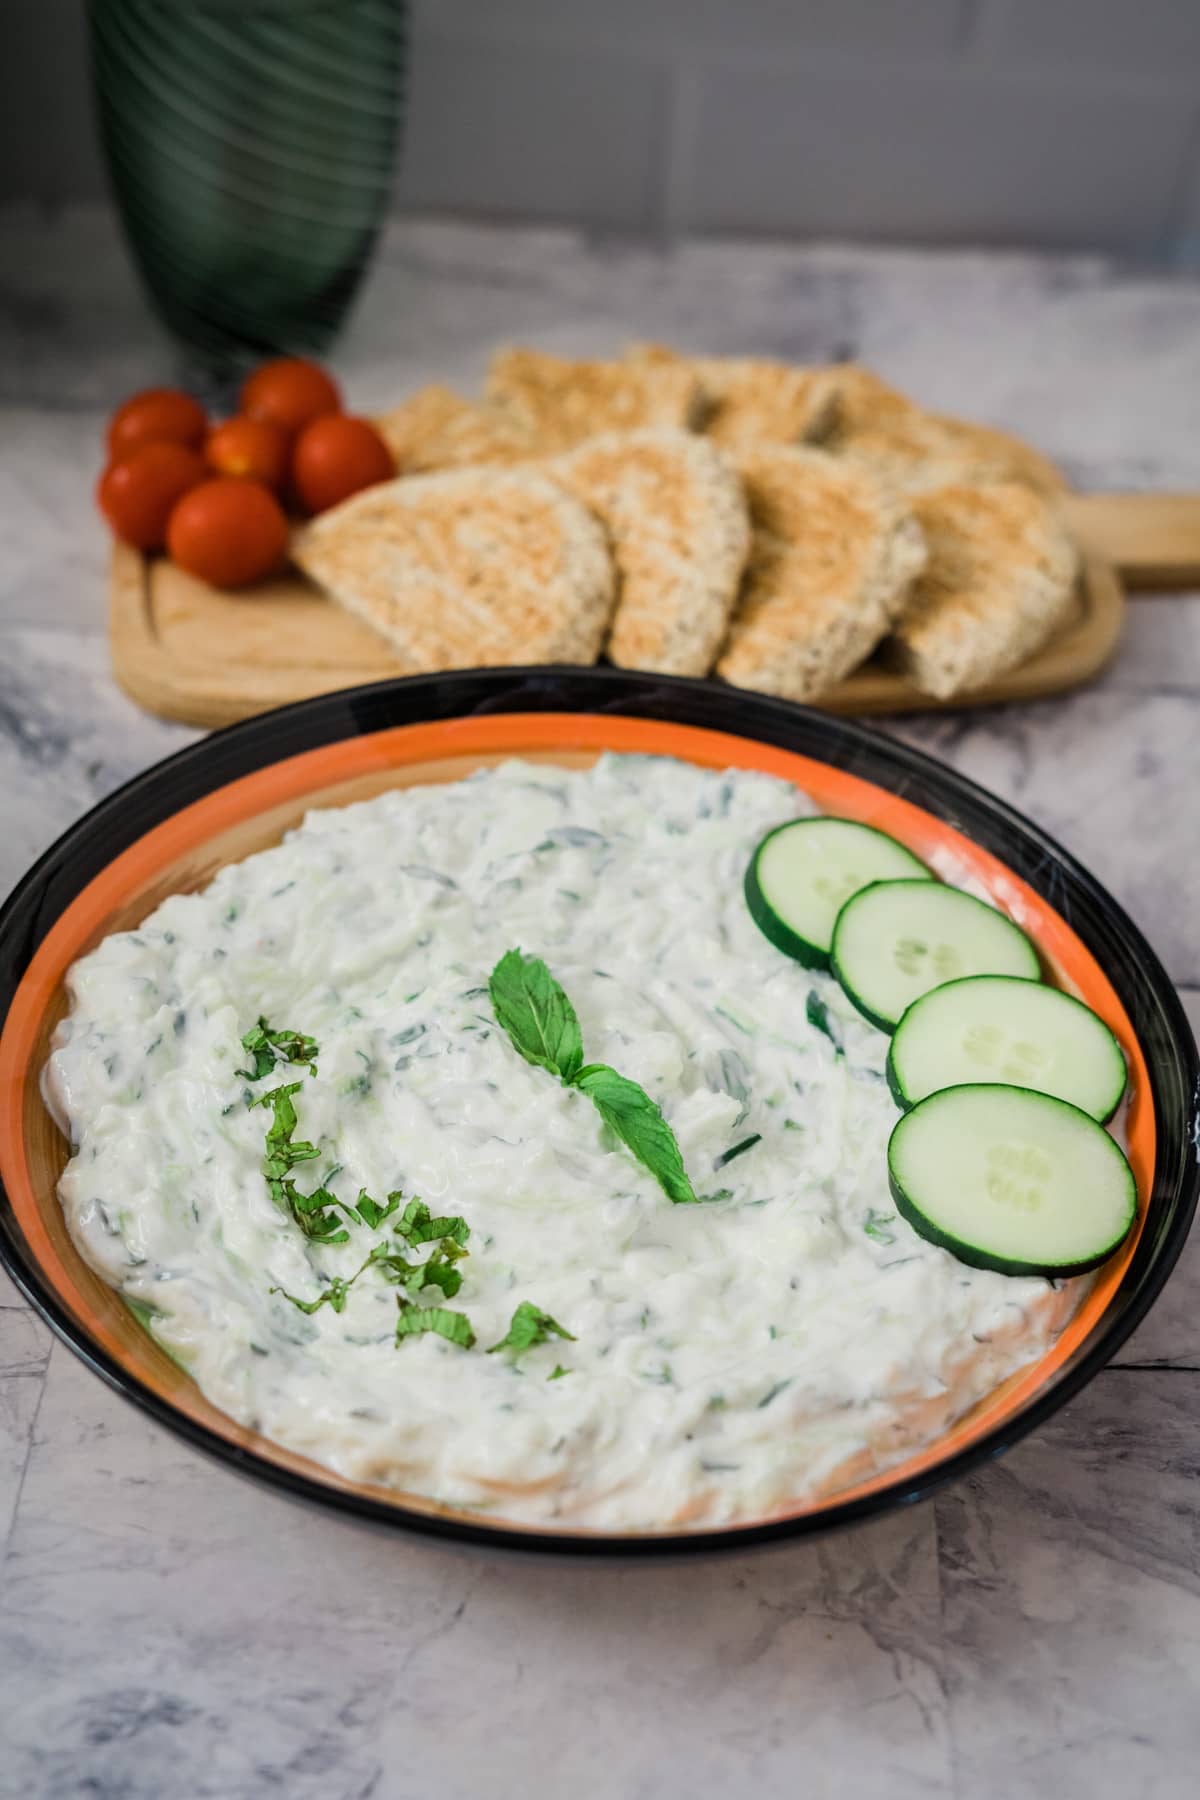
418 1226
414 1321
394 1269
321 1227
304 1306
448 1225
370 1211
529 1326
268 1047
314 1202
727 1156
280 1100
314 1213
637 1120
557 1373
439 1271
536 1014
817 1014
334 1295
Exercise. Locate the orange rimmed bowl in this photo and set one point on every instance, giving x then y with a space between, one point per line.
171 829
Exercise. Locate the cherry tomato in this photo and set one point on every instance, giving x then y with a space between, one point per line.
156 415
253 447
228 531
137 494
290 392
335 457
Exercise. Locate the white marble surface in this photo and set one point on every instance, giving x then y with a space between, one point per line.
167 1630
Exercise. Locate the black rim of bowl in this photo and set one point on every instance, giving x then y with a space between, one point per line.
1140 981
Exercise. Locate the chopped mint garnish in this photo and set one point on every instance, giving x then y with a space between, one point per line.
370 1211
436 1271
419 1227
529 1326
414 1321
267 1047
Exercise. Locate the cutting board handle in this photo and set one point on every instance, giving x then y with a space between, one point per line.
1152 539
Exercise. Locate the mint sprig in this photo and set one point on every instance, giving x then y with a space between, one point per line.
543 1028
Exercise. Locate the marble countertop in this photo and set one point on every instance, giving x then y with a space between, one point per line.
169 1630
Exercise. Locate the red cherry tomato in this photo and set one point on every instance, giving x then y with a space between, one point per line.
253 447
290 392
156 415
335 457
137 494
228 531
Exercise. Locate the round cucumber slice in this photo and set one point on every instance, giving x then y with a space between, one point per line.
803 873
1010 1180
896 940
994 1028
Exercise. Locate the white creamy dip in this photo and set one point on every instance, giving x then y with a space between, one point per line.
770 1346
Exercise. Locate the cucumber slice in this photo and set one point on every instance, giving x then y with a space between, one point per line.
992 1028
1010 1180
803 873
896 940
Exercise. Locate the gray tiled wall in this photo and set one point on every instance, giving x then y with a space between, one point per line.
1060 122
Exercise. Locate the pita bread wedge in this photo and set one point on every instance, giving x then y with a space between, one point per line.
999 582
676 519
750 400
914 451
987 448
467 568
864 400
929 451
435 428
832 561
559 404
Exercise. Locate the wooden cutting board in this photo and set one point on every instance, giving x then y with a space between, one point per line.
190 652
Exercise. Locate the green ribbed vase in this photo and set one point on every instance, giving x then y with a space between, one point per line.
250 145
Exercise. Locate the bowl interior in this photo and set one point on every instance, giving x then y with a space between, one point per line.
184 852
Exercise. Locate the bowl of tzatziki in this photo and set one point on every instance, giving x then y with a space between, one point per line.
584 1110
